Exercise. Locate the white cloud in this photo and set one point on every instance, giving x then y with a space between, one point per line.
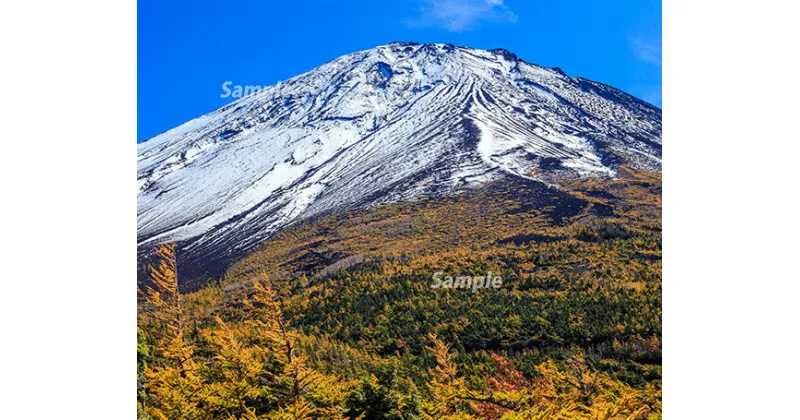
648 93
645 50
653 96
462 15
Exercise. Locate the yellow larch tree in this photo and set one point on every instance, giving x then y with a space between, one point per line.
171 380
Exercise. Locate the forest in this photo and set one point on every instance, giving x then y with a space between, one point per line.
335 317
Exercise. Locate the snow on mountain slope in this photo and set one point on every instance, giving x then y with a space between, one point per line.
391 123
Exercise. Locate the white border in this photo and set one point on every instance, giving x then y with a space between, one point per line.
68 207
730 210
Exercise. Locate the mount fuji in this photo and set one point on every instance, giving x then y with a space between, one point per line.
392 123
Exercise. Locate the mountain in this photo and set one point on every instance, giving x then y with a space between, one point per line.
389 124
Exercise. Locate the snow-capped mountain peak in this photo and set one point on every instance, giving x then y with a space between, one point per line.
391 123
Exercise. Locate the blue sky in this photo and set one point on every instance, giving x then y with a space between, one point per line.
187 49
